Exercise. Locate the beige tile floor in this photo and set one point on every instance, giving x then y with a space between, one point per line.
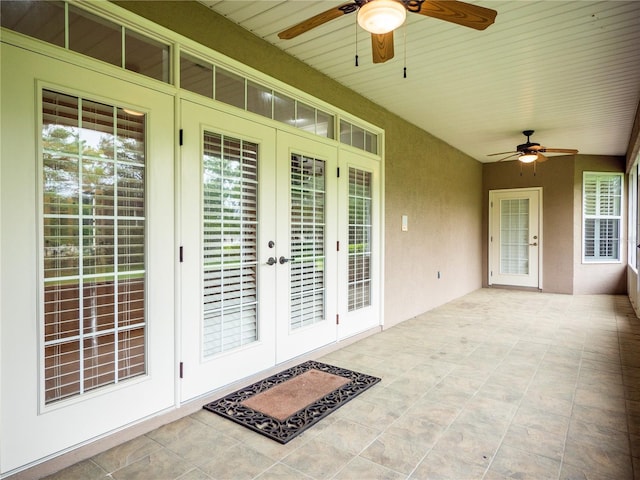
495 385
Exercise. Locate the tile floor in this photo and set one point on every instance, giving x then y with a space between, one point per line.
495 385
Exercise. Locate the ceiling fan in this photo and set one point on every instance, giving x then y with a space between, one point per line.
530 152
381 17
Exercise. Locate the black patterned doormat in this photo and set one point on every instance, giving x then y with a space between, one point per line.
286 404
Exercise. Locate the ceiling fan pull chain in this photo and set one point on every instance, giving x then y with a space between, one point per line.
356 24
404 32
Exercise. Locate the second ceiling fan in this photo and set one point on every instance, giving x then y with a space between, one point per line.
381 17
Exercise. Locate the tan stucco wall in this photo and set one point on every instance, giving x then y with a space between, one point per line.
555 176
438 187
589 277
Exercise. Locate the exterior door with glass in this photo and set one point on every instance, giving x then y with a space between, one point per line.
515 239
227 249
306 247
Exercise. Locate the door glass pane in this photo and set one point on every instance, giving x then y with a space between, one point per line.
94 238
514 236
307 241
359 282
230 239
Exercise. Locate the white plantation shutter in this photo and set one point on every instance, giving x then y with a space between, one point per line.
307 241
514 236
360 227
602 214
93 227
230 221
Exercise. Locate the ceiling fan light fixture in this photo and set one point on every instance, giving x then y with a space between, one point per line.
381 16
528 157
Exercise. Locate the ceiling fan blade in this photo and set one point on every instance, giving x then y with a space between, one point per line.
461 13
571 151
541 158
501 153
508 156
317 20
382 47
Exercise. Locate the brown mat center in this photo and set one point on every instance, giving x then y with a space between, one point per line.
284 400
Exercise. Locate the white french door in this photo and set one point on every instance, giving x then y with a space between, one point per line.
257 271
306 247
87 291
515 237
227 236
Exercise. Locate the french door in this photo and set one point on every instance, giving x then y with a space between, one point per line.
515 239
257 273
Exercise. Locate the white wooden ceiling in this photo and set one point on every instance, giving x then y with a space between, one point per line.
570 70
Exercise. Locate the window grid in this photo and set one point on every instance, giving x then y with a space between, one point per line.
514 236
307 275
230 239
602 210
360 226
93 245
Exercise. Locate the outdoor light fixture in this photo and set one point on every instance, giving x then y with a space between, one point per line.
528 157
381 16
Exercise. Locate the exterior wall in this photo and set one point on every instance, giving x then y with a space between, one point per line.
437 186
555 176
592 278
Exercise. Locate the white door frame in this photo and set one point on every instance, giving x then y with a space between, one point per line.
494 238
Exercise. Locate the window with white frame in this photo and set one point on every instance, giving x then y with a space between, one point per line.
602 216
633 215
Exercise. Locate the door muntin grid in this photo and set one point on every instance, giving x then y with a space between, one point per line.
229 243
307 228
360 228
93 234
514 236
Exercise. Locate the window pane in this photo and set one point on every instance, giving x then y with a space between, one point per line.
196 75
306 117
345 132
38 19
602 207
324 125
284 108
360 227
259 99
229 88
95 36
94 236
357 137
146 56
307 241
230 240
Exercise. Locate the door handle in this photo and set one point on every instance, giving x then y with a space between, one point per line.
271 261
534 244
283 260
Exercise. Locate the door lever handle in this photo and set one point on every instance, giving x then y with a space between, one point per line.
534 244
283 260
271 261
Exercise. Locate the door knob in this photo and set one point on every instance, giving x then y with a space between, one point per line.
272 261
283 260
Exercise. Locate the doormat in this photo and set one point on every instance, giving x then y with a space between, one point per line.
284 405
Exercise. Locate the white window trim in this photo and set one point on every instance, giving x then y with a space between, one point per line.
620 218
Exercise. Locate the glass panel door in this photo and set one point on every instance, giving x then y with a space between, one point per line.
515 237
359 262
307 198
228 188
